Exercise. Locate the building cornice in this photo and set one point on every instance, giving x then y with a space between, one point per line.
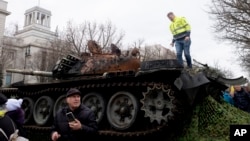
27 29
37 8
12 42
4 12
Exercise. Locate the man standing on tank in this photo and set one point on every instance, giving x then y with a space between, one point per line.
181 30
83 125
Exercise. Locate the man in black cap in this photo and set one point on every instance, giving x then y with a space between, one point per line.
6 124
75 121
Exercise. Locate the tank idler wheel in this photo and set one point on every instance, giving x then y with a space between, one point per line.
158 103
59 104
27 106
122 110
96 103
42 110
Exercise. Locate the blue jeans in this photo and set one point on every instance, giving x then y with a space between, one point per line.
183 46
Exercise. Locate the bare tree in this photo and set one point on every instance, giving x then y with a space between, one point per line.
36 64
156 52
138 43
232 21
11 30
6 57
104 34
152 52
222 71
46 59
42 62
6 54
58 49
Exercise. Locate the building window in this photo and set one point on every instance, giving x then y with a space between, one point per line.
8 55
11 55
8 79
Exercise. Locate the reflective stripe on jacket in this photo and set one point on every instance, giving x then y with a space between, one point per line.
180 28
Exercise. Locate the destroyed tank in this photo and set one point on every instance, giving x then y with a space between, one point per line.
129 97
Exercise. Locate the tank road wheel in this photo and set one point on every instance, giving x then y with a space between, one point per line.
27 106
96 103
122 110
158 103
59 104
42 110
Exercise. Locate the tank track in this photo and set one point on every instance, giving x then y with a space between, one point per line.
142 84
105 133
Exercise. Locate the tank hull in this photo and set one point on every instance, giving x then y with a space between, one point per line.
105 87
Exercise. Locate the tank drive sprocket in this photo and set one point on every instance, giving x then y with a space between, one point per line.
158 103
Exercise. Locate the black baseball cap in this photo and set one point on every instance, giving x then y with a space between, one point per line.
73 91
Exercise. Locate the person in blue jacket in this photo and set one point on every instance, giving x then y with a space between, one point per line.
228 97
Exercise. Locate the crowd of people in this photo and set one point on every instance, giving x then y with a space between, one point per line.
72 123
238 96
76 120
11 118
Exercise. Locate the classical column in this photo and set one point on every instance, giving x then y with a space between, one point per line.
46 21
25 20
49 21
36 21
40 18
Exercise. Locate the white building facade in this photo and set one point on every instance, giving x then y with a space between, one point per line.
3 14
21 50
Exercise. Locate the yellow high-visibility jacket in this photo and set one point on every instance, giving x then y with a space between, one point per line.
231 90
180 28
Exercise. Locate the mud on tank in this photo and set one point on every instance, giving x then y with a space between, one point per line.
128 97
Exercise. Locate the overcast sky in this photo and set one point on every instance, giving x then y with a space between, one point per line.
139 19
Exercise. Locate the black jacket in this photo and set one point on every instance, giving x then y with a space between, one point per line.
242 100
84 115
7 126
